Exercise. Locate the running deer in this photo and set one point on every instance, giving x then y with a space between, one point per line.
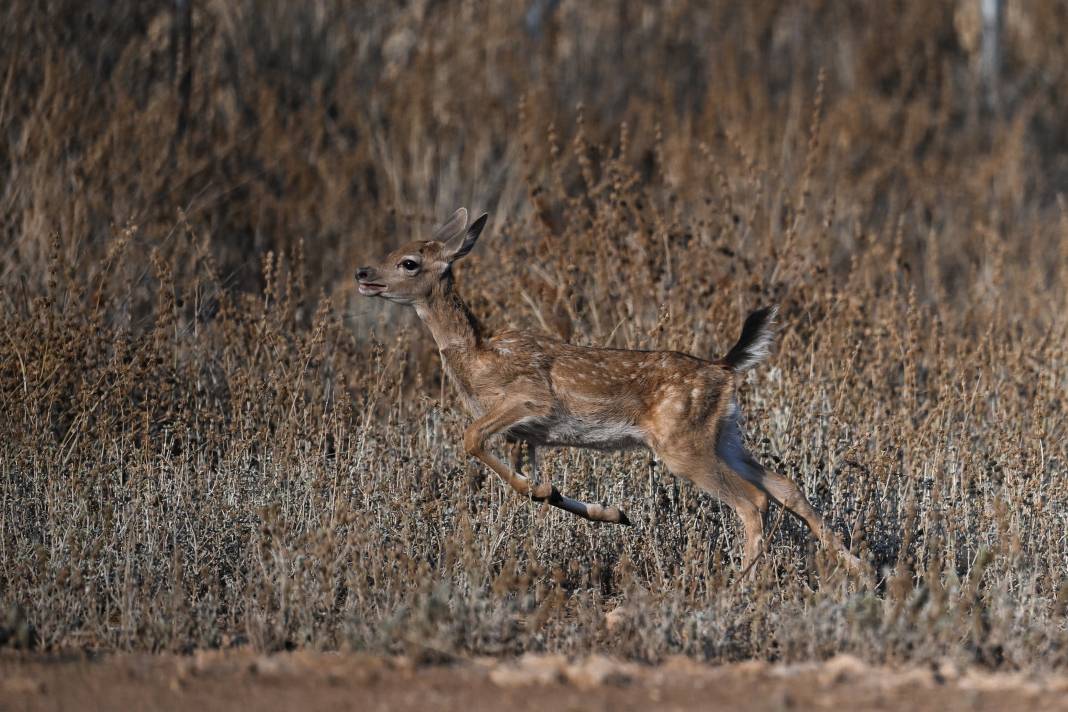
535 390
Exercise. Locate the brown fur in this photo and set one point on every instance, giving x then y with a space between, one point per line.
543 392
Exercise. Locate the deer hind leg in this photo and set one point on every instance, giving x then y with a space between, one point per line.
747 500
502 418
785 491
732 451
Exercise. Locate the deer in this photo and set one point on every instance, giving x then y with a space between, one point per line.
539 392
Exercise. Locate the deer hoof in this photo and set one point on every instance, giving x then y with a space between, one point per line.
606 513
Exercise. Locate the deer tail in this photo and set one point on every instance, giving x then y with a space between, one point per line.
754 343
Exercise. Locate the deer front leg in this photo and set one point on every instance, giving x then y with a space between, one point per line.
500 419
547 492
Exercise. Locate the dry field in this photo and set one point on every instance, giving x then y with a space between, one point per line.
208 440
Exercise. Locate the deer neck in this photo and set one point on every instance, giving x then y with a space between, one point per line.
449 319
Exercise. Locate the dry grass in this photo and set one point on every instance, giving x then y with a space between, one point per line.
206 438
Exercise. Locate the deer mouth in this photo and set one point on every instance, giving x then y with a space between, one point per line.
371 289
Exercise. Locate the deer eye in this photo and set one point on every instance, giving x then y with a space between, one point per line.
410 265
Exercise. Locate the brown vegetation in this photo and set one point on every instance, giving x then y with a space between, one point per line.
207 438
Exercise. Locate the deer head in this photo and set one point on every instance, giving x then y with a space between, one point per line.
410 274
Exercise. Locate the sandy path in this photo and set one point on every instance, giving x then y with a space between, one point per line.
306 681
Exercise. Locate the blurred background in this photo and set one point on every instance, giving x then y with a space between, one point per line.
350 126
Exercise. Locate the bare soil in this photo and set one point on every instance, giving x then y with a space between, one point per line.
303 680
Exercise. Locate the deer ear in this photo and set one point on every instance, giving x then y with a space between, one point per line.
460 245
451 227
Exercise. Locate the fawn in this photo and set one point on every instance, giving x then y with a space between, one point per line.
544 392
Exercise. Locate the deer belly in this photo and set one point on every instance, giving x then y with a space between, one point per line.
572 431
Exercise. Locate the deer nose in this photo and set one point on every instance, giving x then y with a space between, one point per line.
363 274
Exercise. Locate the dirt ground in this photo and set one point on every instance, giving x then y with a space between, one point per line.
241 679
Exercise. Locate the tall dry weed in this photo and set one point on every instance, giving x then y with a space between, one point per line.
207 439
